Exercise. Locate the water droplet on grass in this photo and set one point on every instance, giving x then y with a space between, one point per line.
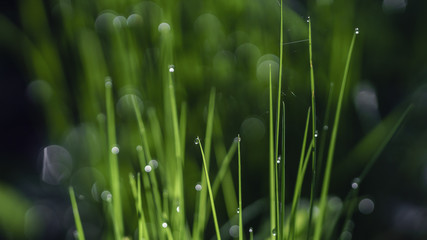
356 31
115 150
237 139
325 128
164 27
197 140
251 229
355 183
106 196
308 19
238 210
198 187
171 68
108 82
274 232
177 209
279 159
139 148
164 225
147 168
316 134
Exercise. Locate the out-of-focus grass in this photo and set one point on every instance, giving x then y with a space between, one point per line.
163 58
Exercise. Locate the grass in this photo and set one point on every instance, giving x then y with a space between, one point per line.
159 118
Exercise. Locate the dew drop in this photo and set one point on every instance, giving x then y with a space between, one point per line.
274 232
197 140
177 209
171 68
356 31
355 183
279 159
238 210
106 196
108 82
147 168
164 27
237 139
164 225
139 148
325 128
115 150
198 187
308 19
316 134
251 229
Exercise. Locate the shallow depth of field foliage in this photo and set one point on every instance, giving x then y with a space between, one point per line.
228 119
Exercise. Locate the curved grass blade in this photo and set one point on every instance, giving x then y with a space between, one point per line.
208 183
329 160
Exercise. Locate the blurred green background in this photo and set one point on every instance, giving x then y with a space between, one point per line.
55 56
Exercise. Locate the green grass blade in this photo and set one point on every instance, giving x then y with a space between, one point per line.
224 176
223 169
209 190
329 160
221 177
202 220
240 190
76 214
314 131
114 166
283 177
136 192
300 178
154 211
325 128
279 94
271 165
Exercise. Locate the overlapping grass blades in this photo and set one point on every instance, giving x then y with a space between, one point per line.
329 160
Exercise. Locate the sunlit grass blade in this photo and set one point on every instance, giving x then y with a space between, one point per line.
79 227
240 190
178 188
272 163
300 177
112 156
218 235
202 220
144 154
329 160
136 192
154 211
314 131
